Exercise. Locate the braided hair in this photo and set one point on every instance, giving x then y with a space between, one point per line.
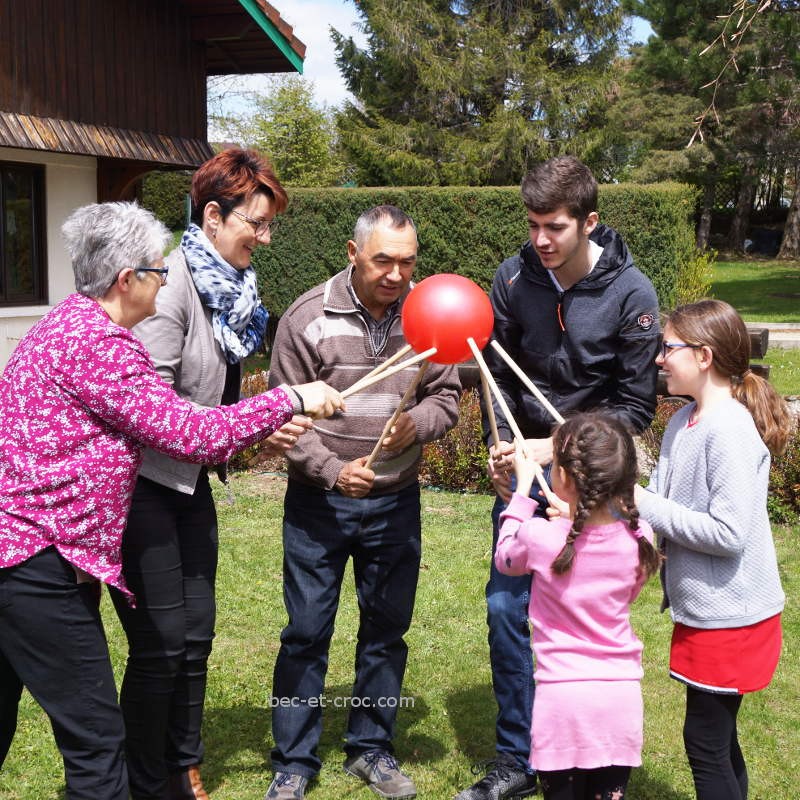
597 451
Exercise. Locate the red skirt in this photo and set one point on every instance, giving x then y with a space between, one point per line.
726 660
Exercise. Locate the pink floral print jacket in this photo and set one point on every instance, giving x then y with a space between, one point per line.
79 400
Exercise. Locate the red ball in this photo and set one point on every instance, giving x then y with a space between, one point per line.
443 311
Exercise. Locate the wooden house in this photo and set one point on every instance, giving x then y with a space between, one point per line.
95 93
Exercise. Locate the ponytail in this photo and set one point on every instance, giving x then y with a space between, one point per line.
563 561
649 558
769 410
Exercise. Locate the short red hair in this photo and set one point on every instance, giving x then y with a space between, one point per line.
230 178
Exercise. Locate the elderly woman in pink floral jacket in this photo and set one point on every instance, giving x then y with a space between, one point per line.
79 401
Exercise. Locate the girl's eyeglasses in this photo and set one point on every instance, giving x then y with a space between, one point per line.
667 346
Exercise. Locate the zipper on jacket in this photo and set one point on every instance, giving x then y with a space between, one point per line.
558 312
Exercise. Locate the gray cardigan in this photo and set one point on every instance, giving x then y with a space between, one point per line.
707 499
181 342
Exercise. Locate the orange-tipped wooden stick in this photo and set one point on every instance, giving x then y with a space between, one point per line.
487 399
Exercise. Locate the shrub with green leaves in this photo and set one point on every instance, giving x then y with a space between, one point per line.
784 482
463 229
254 383
457 461
695 280
164 193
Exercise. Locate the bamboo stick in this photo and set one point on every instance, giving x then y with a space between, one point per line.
519 438
367 382
391 421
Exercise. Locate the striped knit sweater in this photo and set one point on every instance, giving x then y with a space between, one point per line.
322 336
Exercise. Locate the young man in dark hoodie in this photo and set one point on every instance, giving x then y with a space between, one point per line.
581 320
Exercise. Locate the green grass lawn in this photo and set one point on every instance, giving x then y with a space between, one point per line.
451 724
760 290
784 372
764 290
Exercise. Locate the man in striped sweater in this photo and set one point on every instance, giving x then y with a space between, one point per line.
336 508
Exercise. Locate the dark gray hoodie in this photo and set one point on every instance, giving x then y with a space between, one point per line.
590 347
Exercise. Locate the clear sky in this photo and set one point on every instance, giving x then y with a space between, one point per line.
312 19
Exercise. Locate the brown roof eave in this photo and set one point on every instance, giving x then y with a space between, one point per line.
65 136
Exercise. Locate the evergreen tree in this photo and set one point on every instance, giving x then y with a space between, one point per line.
744 124
473 91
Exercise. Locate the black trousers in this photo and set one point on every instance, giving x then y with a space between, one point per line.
52 642
712 745
169 559
603 783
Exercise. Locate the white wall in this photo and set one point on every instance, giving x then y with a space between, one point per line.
70 181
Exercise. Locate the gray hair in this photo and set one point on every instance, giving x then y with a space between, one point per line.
105 238
369 220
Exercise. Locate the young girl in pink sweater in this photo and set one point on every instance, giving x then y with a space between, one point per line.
587 567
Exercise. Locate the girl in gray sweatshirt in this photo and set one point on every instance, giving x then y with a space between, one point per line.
707 501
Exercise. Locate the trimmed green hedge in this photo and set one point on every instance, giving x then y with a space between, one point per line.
164 193
467 230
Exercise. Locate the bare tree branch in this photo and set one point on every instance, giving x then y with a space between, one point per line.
747 13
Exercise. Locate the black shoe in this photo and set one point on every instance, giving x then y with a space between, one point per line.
505 780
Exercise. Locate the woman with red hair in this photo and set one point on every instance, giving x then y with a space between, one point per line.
208 318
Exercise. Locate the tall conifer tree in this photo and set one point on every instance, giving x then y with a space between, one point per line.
474 91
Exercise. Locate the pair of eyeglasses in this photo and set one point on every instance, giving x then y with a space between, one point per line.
162 272
666 347
260 226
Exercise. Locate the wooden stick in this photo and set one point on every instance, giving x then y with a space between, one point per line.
487 398
388 426
528 382
364 383
388 363
501 401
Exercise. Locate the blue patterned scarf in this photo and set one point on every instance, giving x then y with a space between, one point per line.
238 319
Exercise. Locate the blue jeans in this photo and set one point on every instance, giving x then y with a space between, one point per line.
321 531
510 653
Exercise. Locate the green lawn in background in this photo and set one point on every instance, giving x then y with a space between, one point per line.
451 725
765 290
760 290
784 372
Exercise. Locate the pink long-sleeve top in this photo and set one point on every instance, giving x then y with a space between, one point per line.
581 619
79 401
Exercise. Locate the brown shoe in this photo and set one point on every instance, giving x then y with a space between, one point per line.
187 785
